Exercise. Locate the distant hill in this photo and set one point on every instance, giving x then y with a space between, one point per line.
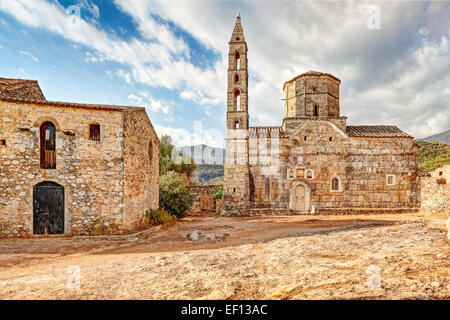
203 154
433 155
210 162
443 137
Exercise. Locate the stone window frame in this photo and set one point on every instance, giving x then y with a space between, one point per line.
304 172
335 176
394 179
312 174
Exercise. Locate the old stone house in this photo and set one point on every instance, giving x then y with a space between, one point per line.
313 162
70 168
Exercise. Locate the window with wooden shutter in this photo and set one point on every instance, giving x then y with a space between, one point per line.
94 132
48 145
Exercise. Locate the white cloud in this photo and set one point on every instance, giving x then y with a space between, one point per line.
151 104
29 55
92 8
124 75
194 136
396 75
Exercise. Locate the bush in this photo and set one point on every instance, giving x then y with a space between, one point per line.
157 217
218 194
174 196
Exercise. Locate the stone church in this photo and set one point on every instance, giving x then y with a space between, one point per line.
70 168
314 162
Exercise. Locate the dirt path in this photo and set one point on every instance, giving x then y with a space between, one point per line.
299 257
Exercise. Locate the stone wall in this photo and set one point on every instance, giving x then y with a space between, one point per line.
141 172
360 164
91 172
435 191
203 199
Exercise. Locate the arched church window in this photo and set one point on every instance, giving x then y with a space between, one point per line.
316 110
237 60
237 100
236 78
335 184
48 145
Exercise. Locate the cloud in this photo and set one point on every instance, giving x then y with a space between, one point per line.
397 74
151 104
29 55
90 7
193 136
124 75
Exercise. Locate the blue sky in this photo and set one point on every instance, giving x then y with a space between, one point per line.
170 56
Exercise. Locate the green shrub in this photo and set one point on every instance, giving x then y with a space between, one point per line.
174 196
218 194
157 217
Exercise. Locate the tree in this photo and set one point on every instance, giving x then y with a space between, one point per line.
172 160
174 196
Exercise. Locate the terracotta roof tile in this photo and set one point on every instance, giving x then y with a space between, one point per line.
21 89
266 132
311 73
376 132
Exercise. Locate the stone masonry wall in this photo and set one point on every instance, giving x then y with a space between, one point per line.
141 176
90 171
360 165
203 199
435 191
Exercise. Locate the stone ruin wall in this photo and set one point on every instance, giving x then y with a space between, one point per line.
91 172
203 199
435 191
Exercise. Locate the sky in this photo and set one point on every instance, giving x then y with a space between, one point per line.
170 56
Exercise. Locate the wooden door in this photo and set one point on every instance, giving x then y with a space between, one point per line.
300 198
48 208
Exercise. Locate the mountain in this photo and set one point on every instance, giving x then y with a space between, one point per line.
443 137
433 155
204 154
210 162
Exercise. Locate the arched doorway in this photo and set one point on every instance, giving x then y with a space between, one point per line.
300 195
299 198
48 208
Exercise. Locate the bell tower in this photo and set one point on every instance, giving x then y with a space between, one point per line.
237 99
236 196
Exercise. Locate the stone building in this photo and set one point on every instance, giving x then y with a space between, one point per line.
314 162
70 168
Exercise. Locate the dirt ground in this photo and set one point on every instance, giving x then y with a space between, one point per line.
296 257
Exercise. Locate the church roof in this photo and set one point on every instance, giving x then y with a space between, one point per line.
311 73
266 132
376 132
21 89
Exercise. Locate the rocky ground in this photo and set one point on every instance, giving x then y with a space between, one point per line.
320 257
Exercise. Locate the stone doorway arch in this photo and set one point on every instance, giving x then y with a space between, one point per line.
300 199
